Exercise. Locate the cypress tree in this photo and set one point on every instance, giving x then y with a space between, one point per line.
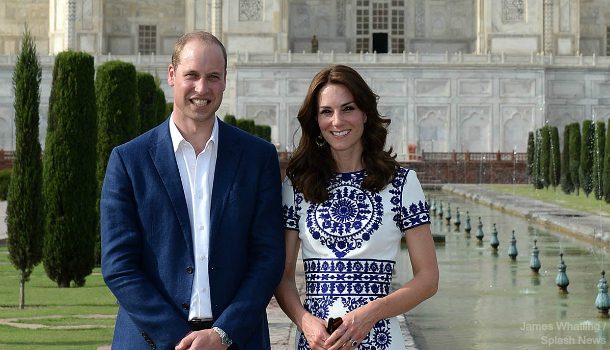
25 206
545 155
555 158
599 142
586 157
160 106
117 118
230 119
147 96
529 170
575 155
606 166
567 186
69 166
538 183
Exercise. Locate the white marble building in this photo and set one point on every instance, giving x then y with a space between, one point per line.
463 75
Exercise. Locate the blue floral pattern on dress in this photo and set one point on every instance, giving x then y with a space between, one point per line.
407 217
353 283
348 217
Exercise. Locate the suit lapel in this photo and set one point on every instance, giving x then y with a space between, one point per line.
164 158
227 163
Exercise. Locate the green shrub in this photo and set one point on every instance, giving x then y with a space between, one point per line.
575 155
116 89
69 171
5 179
230 119
567 186
246 125
586 157
599 142
147 96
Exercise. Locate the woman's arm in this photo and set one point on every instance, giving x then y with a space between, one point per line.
288 298
424 284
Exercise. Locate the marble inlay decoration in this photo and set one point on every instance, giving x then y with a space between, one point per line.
513 10
250 10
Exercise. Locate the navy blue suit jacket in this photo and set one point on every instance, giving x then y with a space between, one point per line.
147 249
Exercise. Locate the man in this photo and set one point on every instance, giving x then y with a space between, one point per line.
191 224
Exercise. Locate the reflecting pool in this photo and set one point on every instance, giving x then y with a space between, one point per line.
488 301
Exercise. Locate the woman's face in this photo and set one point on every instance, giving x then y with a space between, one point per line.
340 120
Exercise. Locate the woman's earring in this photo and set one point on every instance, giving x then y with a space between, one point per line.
320 141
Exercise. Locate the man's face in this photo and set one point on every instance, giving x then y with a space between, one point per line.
198 82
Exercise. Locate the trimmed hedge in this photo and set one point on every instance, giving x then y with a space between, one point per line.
5 179
69 171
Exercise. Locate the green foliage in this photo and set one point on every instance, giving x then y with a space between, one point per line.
606 166
555 158
246 125
69 171
147 99
265 132
530 154
567 186
586 157
537 180
25 206
574 149
161 106
545 155
5 179
599 142
117 118
230 119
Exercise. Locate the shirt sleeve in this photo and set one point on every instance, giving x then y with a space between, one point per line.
414 209
290 206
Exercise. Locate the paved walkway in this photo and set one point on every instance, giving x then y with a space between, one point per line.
590 227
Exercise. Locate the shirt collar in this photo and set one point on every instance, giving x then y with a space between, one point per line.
177 137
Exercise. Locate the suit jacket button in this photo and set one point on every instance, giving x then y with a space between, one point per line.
185 306
189 270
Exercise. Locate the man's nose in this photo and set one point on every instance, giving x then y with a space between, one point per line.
200 86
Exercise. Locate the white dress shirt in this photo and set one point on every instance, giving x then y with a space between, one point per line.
197 176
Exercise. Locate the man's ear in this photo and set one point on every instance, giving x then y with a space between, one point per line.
171 74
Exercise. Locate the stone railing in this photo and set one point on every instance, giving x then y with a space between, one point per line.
6 159
405 58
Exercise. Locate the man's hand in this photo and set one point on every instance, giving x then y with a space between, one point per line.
206 339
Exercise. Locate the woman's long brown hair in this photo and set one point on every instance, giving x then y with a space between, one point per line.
311 167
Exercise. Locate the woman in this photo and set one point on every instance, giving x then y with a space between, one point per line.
348 203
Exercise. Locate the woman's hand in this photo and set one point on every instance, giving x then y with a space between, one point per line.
356 326
314 330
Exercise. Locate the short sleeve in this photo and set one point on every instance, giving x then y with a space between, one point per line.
290 206
414 210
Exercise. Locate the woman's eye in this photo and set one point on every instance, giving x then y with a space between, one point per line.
348 108
325 111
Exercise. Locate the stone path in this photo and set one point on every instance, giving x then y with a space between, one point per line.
3 234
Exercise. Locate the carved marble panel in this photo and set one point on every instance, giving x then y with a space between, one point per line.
396 129
513 10
517 87
420 18
515 119
474 87
294 128
340 18
250 10
564 16
298 87
566 89
601 113
260 87
264 114
600 89
389 87
433 87
474 125
565 114
433 127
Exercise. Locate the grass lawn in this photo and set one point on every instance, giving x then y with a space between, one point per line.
73 318
572 201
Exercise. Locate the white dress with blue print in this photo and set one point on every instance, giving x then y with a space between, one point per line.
349 246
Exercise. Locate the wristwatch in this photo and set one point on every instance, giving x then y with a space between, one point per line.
224 338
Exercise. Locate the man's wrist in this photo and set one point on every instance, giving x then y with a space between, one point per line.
224 338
